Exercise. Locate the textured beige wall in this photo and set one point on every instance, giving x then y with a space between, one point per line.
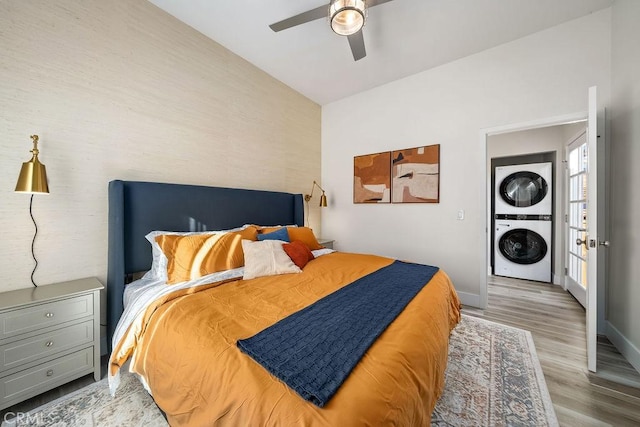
121 90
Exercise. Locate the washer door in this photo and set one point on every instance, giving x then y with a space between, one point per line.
523 189
522 246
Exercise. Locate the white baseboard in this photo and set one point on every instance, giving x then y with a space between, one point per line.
624 346
472 300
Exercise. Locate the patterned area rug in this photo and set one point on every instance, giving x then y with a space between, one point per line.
493 379
93 406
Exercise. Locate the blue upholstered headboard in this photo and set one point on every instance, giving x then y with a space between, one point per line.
136 208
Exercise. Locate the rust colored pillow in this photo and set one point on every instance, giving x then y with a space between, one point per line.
305 235
193 256
298 252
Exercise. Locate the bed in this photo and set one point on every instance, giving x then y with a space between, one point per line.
187 342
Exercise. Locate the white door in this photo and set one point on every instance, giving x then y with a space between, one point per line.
576 221
585 262
595 228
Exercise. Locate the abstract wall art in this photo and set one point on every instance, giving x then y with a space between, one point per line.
415 175
372 178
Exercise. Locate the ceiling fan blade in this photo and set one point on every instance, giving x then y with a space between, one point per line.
301 18
372 3
356 42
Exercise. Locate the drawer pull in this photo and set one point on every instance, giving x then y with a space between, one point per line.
49 315
50 373
49 343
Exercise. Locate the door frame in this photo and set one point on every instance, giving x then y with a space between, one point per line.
485 185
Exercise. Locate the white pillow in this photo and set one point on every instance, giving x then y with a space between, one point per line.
266 258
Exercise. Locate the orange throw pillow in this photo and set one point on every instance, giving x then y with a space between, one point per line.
305 235
298 252
193 256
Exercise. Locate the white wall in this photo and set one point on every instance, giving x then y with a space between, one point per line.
543 75
122 90
624 253
541 140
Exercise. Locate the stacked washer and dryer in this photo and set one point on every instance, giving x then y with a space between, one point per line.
523 221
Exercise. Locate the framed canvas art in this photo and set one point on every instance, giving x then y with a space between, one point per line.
372 178
415 175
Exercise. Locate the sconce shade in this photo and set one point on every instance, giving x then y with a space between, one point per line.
323 200
33 178
33 175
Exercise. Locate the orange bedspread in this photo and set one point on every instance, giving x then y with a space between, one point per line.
186 351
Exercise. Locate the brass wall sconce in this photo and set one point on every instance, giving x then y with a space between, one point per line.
323 197
308 197
33 180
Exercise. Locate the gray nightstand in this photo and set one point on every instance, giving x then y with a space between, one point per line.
327 243
49 335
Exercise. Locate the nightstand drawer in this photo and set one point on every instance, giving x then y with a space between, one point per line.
44 315
46 376
29 349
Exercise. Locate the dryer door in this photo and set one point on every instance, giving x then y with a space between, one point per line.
523 189
522 246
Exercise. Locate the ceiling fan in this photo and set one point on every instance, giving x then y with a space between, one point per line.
346 17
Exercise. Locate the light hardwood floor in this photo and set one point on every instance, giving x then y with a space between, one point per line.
557 322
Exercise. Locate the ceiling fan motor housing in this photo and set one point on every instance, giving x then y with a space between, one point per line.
347 17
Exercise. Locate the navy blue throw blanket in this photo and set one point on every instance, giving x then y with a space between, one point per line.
315 349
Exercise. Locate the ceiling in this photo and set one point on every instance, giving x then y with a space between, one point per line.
402 37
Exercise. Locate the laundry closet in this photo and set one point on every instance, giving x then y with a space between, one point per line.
527 202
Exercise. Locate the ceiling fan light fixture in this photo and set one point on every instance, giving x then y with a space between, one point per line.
347 16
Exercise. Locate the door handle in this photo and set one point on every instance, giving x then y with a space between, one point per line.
604 243
579 242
